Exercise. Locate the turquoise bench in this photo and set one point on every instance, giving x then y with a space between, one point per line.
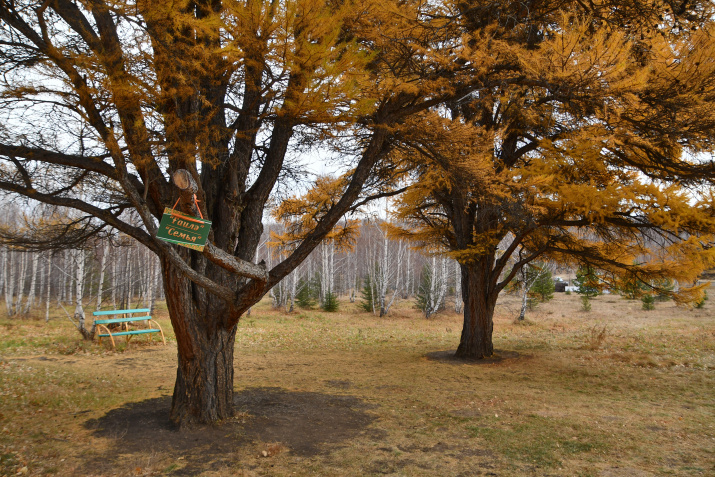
124 324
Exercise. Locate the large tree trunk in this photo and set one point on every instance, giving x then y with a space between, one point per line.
479 302
203 392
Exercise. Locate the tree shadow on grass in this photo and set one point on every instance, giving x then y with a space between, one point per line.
303 422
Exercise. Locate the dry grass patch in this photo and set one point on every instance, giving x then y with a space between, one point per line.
614 390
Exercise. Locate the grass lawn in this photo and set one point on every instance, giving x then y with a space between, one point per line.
616 391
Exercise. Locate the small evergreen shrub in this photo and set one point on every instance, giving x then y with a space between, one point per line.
367 298
648 302
307 293
630 287
543 287
700 302
425 293
663 288
587 282
330 303
424 290
585 303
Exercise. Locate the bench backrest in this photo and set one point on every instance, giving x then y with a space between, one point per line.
121 312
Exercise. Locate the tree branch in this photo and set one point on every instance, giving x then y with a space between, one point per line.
102 214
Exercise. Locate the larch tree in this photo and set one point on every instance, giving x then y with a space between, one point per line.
104 103
589 142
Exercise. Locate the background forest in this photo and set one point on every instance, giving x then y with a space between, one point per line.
373 272
115 272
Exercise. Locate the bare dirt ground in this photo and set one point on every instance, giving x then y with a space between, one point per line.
303 422
613 392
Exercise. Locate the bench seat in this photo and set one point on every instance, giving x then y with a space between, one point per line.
133 332
125 321
122 320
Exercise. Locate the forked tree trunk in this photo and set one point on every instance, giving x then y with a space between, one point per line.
479 302
203 392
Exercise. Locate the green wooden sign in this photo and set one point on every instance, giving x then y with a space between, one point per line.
185 230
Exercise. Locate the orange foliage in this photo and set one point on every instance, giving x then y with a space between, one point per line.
299 216
580 147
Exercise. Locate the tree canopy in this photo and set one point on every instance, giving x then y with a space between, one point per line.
590 142
103 102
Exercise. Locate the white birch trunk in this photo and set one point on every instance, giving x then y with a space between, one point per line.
47 290
43 278
151 298
353 270
8 280
384 273
293 287
324 270
524 293
60 282
79 292
331 266
21 282
126 284
398 276
438 286
408 274
443 283
33 282
68 266
433 288
102 265
114 283
458 303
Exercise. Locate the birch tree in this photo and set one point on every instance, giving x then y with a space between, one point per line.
79 279
100 280
6 277
48 289
33 281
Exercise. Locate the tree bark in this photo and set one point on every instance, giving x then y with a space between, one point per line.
22 269
8 279
524 293
102 266
479 301
203 392
458 303
79 292
48 289
33 282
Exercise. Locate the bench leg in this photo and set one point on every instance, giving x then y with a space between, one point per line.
160 331
110 336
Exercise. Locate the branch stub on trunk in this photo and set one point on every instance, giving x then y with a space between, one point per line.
183 180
